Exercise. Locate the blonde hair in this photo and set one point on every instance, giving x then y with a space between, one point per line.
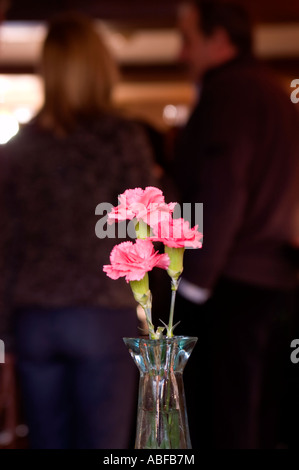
78 71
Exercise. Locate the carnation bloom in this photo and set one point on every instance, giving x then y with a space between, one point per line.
148 205
134 260
176 233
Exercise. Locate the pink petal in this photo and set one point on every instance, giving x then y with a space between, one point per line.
152 195
163 261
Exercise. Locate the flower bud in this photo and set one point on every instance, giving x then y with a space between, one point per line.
176 256
141 292
142 229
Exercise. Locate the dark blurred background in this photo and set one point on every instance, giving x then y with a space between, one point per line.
154 86
144 40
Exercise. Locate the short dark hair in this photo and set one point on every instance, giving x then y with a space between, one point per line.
233 18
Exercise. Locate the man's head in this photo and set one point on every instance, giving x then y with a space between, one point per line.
213 33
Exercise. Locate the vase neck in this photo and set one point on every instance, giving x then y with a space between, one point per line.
156 356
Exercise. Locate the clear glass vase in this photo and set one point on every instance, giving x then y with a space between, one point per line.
162 421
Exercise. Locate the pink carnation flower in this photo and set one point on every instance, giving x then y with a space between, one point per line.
134 260
148 205
176 233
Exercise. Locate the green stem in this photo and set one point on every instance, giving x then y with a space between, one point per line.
174 288
168 410
168 382
151 328
148 315
142 230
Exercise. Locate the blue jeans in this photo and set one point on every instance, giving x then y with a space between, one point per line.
78 381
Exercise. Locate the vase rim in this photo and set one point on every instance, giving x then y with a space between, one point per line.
164 338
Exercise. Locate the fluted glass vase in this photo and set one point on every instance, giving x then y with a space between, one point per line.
162 421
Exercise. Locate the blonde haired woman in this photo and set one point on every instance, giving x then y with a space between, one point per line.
67 319
79 74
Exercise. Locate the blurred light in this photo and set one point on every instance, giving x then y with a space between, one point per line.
22 430
169 113
6 438
23 114
9 127
176 115
4 87
4 84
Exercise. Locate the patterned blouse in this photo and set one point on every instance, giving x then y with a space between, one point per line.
50 254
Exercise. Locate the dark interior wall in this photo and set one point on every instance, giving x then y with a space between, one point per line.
161 11
152 13
146 11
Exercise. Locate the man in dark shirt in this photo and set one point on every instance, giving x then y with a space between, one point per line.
238 156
